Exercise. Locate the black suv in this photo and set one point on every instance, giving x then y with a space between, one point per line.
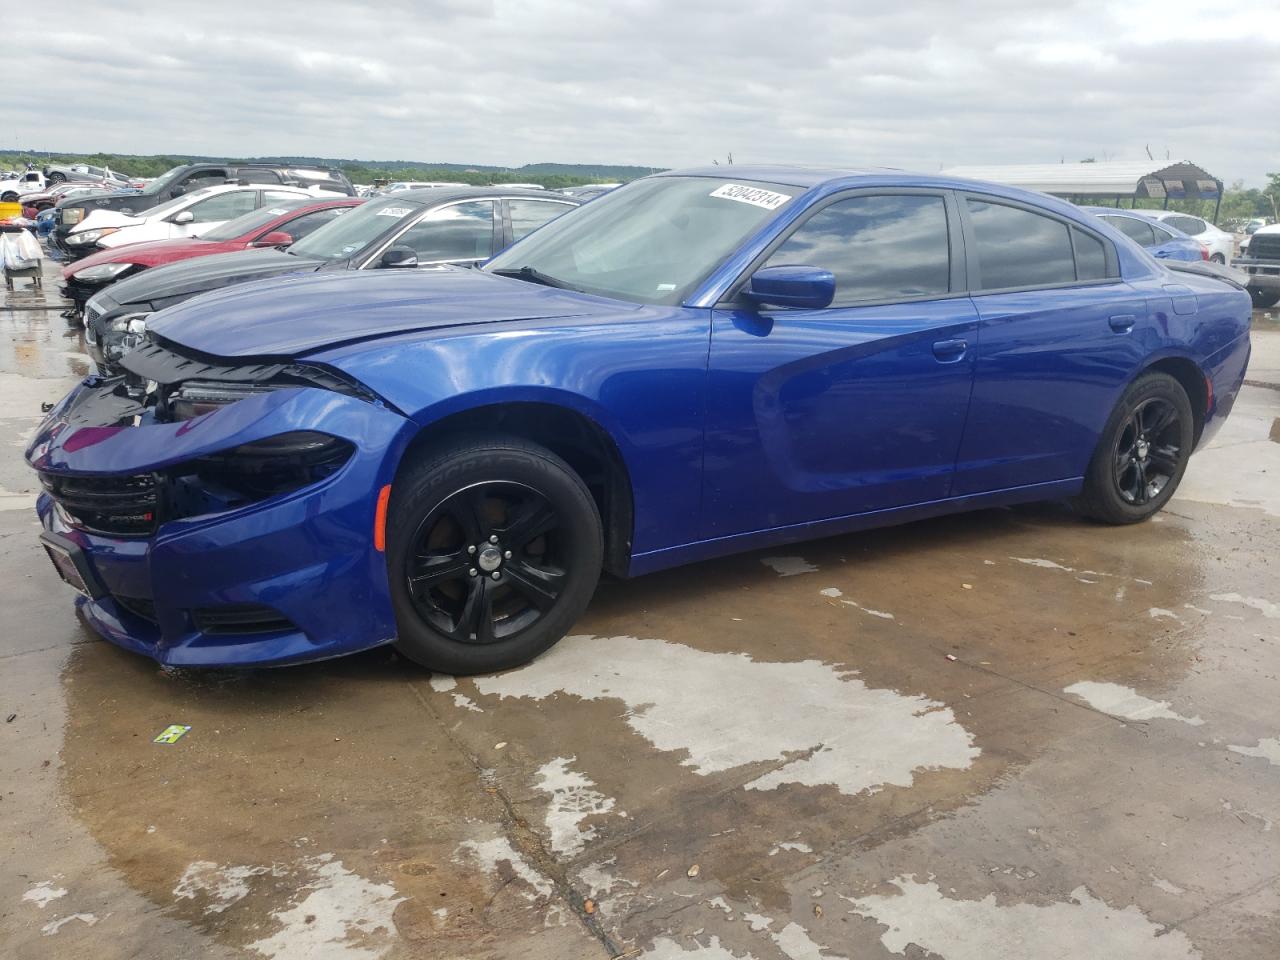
188 177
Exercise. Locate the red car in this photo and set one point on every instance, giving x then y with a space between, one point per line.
275 225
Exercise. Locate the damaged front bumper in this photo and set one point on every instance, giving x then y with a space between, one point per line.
188 563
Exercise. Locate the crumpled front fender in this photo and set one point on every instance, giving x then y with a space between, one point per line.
83 435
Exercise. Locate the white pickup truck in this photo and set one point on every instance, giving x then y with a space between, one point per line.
29 181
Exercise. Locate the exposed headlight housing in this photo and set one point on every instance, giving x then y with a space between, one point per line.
122 334
103 271
265 468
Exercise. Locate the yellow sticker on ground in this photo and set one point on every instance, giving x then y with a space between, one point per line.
172 733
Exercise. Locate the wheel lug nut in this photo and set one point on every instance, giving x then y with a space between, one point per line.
495 575
493 538
471 549
507 555
471 572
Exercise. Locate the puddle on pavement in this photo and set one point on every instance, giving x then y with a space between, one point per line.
338 768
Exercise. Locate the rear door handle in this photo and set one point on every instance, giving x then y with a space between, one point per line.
950 351
1122 322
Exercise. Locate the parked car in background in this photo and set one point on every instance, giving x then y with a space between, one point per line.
1249 229
434 227
1221 245
50 198
590 191
194 176
402 185
86 173
29 181
699 363
186 216
1261 261
276 224
1159 240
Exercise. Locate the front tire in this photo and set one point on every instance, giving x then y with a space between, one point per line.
1262 299
1142 453
494 548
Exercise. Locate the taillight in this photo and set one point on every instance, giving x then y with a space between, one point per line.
1204 252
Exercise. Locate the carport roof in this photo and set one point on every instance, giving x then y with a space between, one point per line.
1125 178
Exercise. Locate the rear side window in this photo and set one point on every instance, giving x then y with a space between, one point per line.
528 215
1188 225
878 247
1162 235
1134 229
1018 248
1091 256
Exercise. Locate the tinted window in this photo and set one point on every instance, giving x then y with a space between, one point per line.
1161 234
463 231
1091 256
204 178
879 248
1018 248
1135 229
225 206
528 215
300 227
1188 225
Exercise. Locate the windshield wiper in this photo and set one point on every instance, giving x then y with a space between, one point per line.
534 276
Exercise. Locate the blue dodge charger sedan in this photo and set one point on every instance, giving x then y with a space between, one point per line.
698 363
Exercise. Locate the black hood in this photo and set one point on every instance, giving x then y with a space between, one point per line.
175 282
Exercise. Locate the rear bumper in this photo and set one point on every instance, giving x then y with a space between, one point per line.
306 558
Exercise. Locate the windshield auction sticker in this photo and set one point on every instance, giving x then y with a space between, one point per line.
393 211
752 195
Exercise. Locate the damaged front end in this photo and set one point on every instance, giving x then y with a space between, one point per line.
219 513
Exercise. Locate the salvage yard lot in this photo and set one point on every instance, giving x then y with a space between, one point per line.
1006 734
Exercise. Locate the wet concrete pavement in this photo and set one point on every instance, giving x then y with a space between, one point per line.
1004 735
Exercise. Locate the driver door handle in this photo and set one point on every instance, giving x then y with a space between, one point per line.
950 351
1122 322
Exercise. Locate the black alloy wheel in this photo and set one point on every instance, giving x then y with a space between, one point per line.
487 562
494 548
1141 453
1147 453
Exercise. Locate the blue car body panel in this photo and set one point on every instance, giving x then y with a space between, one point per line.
737 428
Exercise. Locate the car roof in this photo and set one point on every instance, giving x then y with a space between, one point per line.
791 176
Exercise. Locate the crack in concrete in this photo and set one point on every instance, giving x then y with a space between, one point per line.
524 839
1239 895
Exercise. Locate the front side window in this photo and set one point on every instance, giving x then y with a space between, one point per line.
225 206
461 232
356 231
878 247
652 241
528 215
1134 229
1018 248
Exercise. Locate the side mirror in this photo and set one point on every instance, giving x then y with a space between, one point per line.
276 238
399 256
177 191
805 287
186 216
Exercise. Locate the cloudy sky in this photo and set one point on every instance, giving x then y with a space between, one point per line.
922 85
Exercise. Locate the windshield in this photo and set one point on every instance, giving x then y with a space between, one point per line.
354 231
253 220
162 182
652 241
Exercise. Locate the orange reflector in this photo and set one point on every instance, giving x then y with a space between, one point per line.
1208 394
380 520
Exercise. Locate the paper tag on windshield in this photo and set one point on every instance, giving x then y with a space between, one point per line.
752 195
277 210
393 211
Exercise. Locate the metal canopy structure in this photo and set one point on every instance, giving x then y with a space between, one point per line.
1116 180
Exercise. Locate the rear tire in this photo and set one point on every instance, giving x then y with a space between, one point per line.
1142 453
9 197
1262 299
56 177
1219 259
494 548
